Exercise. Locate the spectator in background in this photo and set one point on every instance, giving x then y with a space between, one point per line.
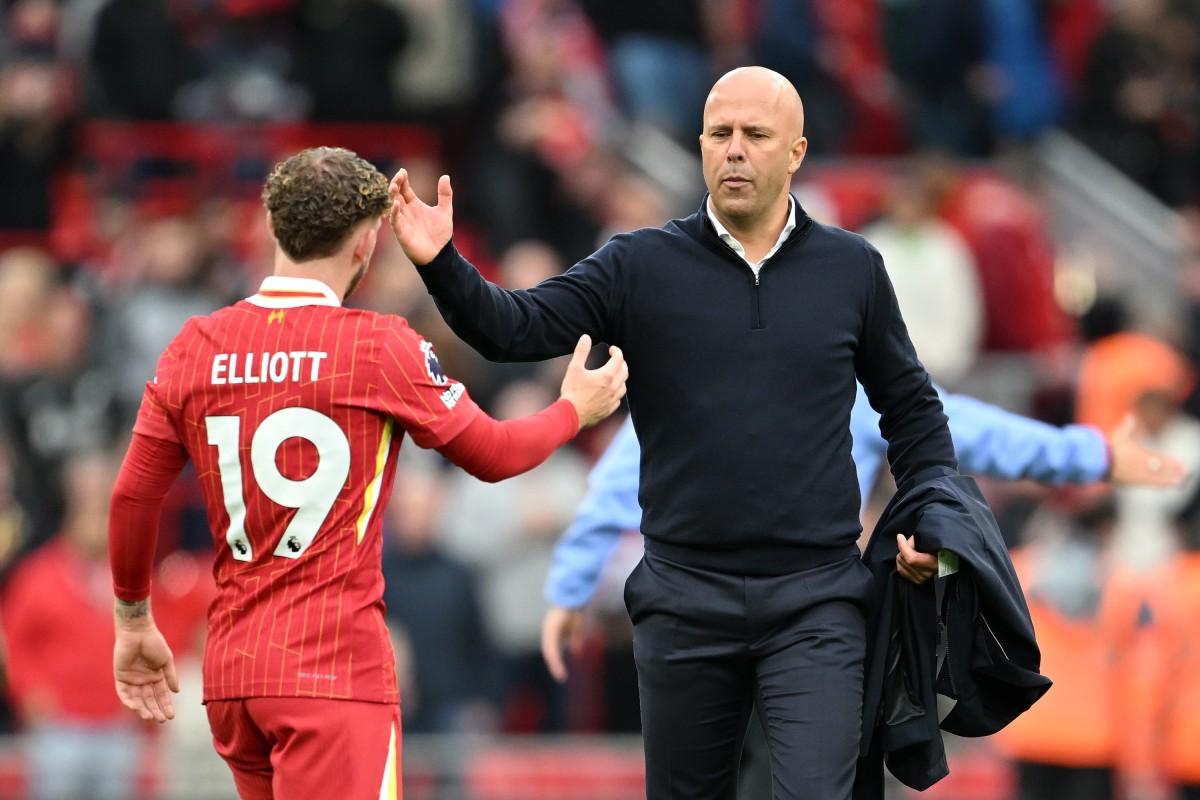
242 57
535 168
161 279
506 533
630 201
347 52
64 404
659 54
1132 373
141 88
28 279
435 77
79 741
935 48
1023 85
1027 337
1175 596
1189 287
35 139
1083 738
1138 105
933 273
14 520
433 598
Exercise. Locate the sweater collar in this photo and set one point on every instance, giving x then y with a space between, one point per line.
736 246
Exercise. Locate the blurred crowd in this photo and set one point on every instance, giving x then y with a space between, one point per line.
134 135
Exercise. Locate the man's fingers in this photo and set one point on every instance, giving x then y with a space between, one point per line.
140 700
165 705
582 348
616 364
404 187
1128 427
552 652
911 563
445 199
172 677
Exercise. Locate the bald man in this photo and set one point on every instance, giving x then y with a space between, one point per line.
745 327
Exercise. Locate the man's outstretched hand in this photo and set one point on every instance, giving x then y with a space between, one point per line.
1131 463
422 230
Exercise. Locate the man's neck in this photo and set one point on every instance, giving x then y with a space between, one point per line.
324 270
758 236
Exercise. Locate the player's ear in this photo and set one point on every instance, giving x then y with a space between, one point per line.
364 243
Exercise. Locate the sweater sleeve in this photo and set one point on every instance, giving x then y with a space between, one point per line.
526 324
897 384
493 450
151 466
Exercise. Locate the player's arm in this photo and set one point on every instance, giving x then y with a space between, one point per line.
609 508
992 441
143 666
493 450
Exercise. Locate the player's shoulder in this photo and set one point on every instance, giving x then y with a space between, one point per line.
377 333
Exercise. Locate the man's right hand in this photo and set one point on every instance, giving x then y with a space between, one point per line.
1133 464
422 230
561 625
144 669
595 393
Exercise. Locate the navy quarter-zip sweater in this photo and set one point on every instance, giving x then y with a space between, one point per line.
740 388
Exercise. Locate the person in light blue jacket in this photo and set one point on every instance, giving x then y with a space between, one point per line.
987 439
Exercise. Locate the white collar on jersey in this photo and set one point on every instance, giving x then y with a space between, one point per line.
280 292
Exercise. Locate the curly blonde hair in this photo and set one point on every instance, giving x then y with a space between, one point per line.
318 196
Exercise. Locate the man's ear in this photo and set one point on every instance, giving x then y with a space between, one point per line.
364 243
799 148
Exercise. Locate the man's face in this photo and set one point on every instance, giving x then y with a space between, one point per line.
750 146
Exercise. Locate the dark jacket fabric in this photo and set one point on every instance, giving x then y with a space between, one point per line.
740 387
957 653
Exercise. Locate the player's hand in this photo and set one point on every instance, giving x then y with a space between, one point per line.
422 230
144 669
595 393
561 626
1131 463
913 565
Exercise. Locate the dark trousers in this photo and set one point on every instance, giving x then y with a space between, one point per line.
711 646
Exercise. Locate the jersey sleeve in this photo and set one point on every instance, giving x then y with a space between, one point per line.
414 389
154 417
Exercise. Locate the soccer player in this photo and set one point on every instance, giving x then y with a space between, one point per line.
293 409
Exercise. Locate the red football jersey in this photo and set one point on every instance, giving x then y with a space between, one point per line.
293 409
